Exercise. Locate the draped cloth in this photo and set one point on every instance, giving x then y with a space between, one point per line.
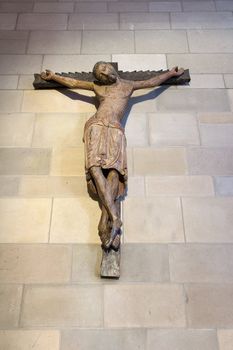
105 147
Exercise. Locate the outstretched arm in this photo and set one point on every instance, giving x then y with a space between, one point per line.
158 80
69 82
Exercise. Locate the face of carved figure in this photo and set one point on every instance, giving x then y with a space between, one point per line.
106 73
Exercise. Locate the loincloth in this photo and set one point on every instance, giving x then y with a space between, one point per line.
105 147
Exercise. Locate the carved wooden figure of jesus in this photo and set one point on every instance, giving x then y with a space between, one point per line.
105 142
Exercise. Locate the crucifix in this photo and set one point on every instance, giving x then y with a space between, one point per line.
105 142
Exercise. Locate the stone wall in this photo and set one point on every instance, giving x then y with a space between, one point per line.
176 289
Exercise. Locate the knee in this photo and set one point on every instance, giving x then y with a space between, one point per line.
113 175
94 171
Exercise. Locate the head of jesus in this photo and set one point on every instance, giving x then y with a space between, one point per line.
105 72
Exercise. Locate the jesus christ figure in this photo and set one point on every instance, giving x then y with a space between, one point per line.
105 142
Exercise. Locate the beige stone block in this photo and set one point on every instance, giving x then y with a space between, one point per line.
182 339
127 6
209 305
111 42
179 186
24 220
67 162
151 306
136 129
39 21
140 61
160 161
230 94
129 152
136 187
153 220
63 306
52 101
35 263
16 7
201 20
13 46
74 220
10 300
225 339
143 101
85 21
9 186
194 6
53 7
201 263
9 82
205 81
13 34
216 118
228 78
30 339
25 82
16 129
20 64
24 161
173 129
165 6
217 135
10 101
8 21
58 130
55 42
53 186
73 63
133 21
218 40
208 219
90 7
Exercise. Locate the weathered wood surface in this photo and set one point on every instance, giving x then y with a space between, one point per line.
110 265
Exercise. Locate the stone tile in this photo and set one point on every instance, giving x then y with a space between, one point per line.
209 305
210 161
24 220
20 64
216 118
75 220
9 82
156 220
90 7
203 63
224 5
201 20
136 130
228 78
208 219
201 263
8 21
10 101
173 129
140 61
143 101
26 339
161 41
136 187
196 100
67 162
53 186
13 34
151 306
35 263
134 21
9 186
224 185
25 82
217 135
210 40
204 81
162 6
182 339
16 129
230 94
127 6
24 161
225 339
54 42
13 46
39 21
106 21
54 7
160 161
179 186
111 42
199 6
58 130
73 63
10 300
16 7
124 339
63 306
53 101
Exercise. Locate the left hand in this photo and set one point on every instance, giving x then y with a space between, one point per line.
177 72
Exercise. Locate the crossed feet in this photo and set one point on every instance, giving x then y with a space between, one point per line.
113 240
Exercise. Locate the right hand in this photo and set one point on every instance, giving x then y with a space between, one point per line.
47 75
